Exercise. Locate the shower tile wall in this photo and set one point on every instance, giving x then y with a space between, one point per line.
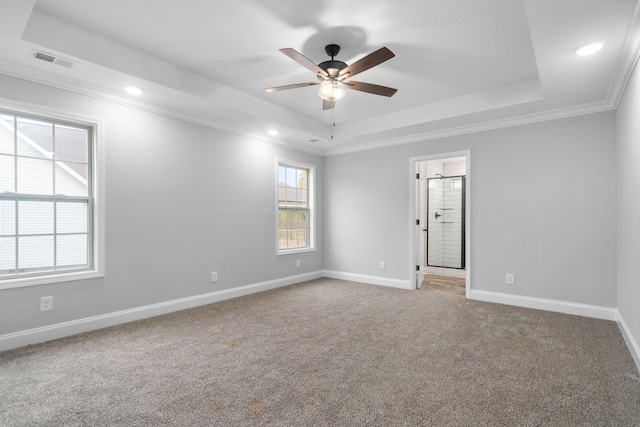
455 168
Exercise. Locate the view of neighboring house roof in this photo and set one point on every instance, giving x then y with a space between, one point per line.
72 149
36 139
292 194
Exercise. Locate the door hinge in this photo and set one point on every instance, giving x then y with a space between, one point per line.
417 176
417 222
417 268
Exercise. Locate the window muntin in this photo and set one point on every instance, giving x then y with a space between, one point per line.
46 200
294 204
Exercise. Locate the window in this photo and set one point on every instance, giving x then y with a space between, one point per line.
295 216
46 197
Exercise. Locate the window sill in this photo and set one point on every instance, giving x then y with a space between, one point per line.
45 280
294 251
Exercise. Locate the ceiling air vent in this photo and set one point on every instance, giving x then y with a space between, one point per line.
44 56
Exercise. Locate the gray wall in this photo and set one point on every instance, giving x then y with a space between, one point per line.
628 250
182 200
542 207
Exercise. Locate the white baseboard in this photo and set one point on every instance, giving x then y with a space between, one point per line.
632 344
594 311
61 330
371 280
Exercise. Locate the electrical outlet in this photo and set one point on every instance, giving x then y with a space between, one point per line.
46 303
214 276
383 265
298 263
511 279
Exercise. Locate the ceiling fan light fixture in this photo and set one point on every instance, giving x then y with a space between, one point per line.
332 90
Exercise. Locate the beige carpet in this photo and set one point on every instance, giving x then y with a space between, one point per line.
330 353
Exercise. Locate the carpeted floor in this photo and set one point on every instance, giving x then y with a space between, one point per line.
330 353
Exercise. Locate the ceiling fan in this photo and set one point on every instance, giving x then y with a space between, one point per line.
334 76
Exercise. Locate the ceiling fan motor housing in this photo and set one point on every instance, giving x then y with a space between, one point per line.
332 67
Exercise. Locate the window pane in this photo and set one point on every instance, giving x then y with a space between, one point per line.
301 197
7 174
302 219
68 181
282 193
35 138
71 217
35 176
35 253
302 179
71 144
302 236
7 255
292 236
36 217
71 251
282 176
291 194
291 178
7 145
7 217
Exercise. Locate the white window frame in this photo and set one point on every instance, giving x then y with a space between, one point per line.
96 252
311 192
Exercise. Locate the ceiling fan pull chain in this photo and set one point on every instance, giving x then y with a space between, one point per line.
333 121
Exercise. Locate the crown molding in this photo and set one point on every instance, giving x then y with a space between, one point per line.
96 92
615 93
544 116
627 61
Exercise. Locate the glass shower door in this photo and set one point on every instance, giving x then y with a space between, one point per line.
445 225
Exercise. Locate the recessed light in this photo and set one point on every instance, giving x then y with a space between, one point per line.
590 49
273 132
134 90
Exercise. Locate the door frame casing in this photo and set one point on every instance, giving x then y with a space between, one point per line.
414 237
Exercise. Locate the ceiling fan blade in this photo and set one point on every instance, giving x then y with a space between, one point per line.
304 61
327 105
293 86
371 88
371 60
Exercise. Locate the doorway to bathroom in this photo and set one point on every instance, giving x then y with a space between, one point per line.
441 236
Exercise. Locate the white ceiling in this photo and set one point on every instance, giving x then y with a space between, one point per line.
460 65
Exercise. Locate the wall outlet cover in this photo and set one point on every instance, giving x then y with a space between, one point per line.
511 279
46 303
